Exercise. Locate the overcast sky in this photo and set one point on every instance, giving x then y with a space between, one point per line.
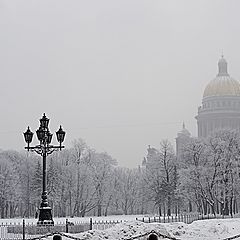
120 74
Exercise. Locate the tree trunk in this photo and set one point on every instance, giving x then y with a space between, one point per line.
226 207
169 206
190 206
99 210
160 210
70 204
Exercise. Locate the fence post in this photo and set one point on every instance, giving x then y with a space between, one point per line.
149 220
66 225
23 232
90 223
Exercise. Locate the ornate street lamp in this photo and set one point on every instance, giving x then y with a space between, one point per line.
44 148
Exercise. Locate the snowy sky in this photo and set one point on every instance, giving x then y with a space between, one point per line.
119 74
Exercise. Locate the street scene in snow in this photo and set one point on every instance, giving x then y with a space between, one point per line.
120 119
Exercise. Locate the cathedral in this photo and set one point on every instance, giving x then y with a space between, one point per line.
220 108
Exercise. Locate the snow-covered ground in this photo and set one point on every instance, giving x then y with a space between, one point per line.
124 230
205 229
213 229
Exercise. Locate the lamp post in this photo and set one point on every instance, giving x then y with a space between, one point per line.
44 148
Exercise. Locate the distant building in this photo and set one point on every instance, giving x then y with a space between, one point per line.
152 155
220 104
183 137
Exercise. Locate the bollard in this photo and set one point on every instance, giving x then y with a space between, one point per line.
153 236
57 237
91 224
66 225
23 232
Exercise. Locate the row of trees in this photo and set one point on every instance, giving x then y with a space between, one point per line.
205 179
82 181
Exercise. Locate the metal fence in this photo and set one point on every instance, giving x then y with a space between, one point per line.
102 225
29 231
186 218
168 219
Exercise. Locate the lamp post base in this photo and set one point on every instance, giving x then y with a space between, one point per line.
45 216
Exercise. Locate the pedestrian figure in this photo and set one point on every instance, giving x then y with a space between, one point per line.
153 236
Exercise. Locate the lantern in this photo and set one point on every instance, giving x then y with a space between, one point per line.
40 134
49 137
60 135
44 121
28 135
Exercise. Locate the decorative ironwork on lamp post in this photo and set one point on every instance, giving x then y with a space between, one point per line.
44 148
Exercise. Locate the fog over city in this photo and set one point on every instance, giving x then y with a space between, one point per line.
122 75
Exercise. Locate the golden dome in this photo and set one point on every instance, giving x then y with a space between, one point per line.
223 84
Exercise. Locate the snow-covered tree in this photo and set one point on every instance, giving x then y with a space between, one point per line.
159 176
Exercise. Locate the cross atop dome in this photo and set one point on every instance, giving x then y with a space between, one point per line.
222 67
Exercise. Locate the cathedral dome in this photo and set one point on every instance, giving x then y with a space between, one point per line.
222 84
